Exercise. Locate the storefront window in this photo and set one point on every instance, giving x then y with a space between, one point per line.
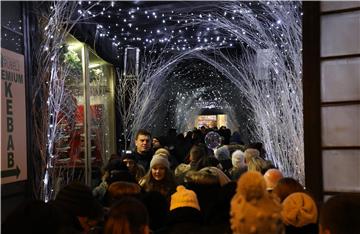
87 122
101 109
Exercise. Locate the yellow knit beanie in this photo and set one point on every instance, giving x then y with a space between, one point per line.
184 198
299 209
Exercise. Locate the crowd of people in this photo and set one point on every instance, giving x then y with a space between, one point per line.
176 184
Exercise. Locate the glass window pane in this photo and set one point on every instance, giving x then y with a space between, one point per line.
340 80
101 110
340 34
341 125
70 147
341 170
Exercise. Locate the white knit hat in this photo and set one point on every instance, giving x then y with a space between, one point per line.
158 159
238 158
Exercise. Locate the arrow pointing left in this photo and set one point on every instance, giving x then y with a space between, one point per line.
12 172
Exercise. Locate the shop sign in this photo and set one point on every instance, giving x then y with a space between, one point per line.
13 118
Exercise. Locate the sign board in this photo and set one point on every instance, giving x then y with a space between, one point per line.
13 118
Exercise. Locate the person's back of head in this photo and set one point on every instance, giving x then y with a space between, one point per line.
120 189
158 209
340 215
128 216
272 176
253 209
197 152
259 146
29 218
300 214
256 164
77 199
286 186
249 153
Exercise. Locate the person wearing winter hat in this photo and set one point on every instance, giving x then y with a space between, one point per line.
135 169
77 201
239 166
203 177
253 209
185 215
223 178
159 160
163 152
166 153
158 142
259 146
272 176
159 177
300 214
222 154
184 198
116 170
114 164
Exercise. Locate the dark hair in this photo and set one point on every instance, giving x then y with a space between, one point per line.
286 186
128 216
197 152
340 214
29 217
76 198
142 132
158 208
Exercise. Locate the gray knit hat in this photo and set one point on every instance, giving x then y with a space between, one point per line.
157 159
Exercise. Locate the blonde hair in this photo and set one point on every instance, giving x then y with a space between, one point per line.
256 164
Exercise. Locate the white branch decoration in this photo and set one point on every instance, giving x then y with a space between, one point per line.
52 101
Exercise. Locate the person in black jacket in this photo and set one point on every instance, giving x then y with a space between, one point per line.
143 152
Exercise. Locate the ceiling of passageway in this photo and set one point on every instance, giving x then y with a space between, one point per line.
174 27
155 26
